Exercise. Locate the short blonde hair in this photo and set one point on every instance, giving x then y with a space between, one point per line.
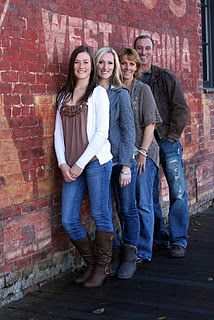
133 56
116 77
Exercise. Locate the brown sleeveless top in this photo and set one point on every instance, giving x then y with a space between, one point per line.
74 122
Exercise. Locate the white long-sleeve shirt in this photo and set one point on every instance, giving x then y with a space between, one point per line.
97 131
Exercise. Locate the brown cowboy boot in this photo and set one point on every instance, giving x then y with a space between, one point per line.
103 259
86 250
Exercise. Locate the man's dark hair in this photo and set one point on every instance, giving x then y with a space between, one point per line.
144 36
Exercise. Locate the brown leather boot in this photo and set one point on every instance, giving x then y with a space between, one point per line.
86 250
102 269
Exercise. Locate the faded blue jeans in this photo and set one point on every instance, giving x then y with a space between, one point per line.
144 197
126 206
96 179
172 164
161 234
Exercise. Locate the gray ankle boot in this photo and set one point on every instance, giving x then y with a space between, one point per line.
116 260
128 265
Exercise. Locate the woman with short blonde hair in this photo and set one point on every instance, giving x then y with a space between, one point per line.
147 153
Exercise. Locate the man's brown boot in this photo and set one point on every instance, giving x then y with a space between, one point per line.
102 269
86 250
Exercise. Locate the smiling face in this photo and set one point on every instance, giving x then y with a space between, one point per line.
105 66
128 68
144 48
82 66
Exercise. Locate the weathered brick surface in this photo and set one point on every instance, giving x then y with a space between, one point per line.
36 38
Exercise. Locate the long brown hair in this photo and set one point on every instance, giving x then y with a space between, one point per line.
67 91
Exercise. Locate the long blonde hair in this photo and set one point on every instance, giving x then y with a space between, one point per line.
116 77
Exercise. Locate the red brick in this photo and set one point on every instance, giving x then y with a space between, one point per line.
21 88
19 66
16 111
27 77
12 212
11 99
21 133
36 131
15 122
42 79
27 99
9 77
38 88
5 88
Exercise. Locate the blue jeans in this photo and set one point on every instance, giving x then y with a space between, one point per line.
161 234
126 206
96 179
144 197
172 164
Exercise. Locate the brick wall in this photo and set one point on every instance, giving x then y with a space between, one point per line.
36 38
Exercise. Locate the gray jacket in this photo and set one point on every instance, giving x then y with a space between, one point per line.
122 127
145 113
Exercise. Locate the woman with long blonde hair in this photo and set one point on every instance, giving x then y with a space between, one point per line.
124 171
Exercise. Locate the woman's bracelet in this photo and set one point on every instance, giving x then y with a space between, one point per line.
143 153
141 148
126 173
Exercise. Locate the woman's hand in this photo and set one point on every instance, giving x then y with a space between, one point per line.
65 169
141 161
125 176
75 171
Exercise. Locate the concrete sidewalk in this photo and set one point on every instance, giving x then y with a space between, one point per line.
165 289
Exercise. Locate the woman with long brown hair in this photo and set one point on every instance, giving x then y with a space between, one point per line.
84 158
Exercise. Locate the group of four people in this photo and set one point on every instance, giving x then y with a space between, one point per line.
104 141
